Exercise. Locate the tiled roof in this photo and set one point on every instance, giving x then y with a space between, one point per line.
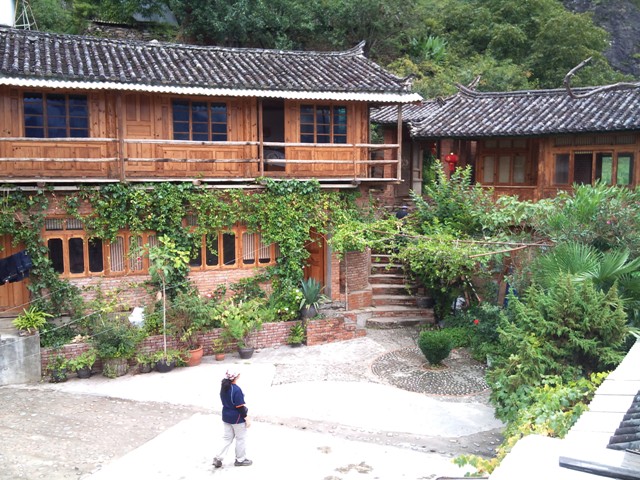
410 113
30 58
469 114
627 435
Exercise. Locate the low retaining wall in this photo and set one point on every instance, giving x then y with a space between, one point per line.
325 330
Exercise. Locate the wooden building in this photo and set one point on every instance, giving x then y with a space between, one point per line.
90 111
526 143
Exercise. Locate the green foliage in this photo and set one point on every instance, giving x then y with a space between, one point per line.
570 331
605 217
549 409
115 337
296 333
480 324
85 360
189 313
240 320
459 337
311 293
31 320
168 265
454 204
436 345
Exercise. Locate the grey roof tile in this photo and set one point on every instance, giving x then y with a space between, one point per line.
522 113
56 57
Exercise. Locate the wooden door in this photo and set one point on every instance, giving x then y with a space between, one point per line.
13 296
316 262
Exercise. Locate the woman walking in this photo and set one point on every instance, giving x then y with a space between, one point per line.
234 418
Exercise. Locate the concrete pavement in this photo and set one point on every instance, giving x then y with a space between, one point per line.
319 413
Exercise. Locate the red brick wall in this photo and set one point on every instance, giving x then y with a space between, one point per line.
339 328
356 273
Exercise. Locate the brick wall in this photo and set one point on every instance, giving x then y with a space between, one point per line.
327 330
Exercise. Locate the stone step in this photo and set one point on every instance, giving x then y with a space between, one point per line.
379 268
387 279
402 311
395 322
381 258
390 289
384 300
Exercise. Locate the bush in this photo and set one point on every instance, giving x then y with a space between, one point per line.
435 345
459 337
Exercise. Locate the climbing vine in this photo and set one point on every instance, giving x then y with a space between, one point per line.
284 212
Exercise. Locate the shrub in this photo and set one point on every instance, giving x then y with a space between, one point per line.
459 337
435 345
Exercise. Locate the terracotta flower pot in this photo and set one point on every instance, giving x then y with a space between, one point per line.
219 356
195 357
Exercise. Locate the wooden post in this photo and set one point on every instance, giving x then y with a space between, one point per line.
260 138
399 172
120 136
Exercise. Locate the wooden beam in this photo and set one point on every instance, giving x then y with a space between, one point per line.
120 135
399 168
260 138
61 159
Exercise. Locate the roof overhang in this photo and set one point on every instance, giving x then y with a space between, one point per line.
214 92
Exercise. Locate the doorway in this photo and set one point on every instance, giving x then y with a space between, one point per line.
273 131
14 297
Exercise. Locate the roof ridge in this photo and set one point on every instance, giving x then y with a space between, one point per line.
357 50
466 92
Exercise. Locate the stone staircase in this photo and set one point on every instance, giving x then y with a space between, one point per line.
395 303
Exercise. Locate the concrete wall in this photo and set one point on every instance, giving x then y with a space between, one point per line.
19 359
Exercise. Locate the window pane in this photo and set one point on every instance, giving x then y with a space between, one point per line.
504 169
604 167
323 115
199 112
33 121
228 249
519 169
306 138
489 170
96 259
625 169
212 251
79 122
196 259
57 132
116 255
135 253
306 129
582 165
180 111
55 254
339 139
56 106
76 255
324 139
306 118
264 251
33 132
219 112
561 176
248 248
32 103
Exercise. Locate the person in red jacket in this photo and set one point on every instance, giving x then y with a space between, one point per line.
235 420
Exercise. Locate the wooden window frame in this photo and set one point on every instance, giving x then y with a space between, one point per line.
332 125
45 115
210 122
238 231
595 151
506 147
65 234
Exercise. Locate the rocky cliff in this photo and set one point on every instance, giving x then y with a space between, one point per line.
621 18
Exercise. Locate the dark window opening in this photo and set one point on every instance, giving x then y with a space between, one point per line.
56 254
229 249
323 124
96 257
55 116
199 121
76 255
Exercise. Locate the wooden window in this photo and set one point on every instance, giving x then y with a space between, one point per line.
55 115
323 124
561 170
234 249
199 121
625 166
508 169
73 253
587 167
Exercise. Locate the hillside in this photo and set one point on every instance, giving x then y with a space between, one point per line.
621 18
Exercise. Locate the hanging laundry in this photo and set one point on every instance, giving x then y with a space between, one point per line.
15 267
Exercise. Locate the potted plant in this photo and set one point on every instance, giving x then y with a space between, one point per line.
115 341
189 314
166 360
218 349
146 362
31 320
57 369
311 297
83 363
241 320
166 262
296 334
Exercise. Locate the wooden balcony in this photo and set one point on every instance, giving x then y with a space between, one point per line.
96 160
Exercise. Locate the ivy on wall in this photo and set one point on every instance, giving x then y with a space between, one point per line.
284 212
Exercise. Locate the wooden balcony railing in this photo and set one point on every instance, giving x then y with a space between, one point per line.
69 160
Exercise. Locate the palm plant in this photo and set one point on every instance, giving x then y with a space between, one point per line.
584 262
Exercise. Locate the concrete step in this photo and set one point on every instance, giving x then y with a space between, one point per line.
395 322
390 289
387 300
402 311
381 258
387 279
380 268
